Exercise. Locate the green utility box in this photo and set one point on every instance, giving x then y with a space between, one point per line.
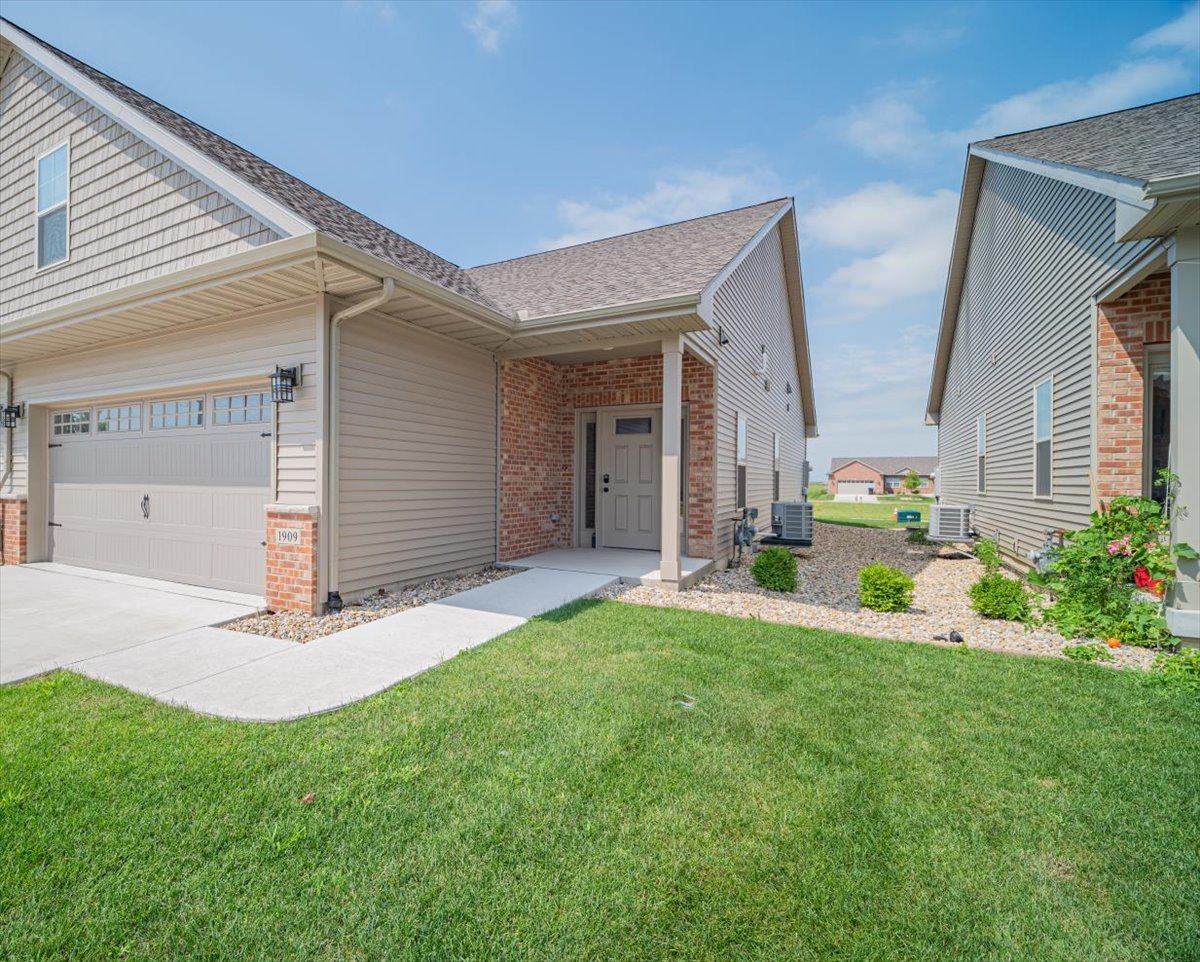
908 517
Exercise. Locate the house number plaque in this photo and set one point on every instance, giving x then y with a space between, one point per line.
287 535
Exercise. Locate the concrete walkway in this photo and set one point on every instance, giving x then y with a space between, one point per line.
237 675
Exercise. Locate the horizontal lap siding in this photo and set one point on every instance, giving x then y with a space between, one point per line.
752 307
1039 251
133 215
176 364
417 488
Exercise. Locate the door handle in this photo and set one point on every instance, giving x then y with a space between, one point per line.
146 506
605 479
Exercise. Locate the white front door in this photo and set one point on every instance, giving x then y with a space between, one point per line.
631 479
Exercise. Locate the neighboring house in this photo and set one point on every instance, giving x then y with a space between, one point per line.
1066 370
879 475
633 392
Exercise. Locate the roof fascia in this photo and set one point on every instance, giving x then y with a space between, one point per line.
963 228
1179 187
710 289
653 309
269 211
1126 189
794 277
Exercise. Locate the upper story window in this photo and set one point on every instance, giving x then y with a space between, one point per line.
53 196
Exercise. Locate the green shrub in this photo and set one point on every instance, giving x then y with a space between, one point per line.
917 536
1087 653
987 552
775 569
881 588
995 596
1179 672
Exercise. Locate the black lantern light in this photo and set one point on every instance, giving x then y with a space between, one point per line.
12 414
283 384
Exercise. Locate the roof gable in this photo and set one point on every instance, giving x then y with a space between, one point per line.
889 465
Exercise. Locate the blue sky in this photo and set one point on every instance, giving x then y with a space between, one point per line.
487 130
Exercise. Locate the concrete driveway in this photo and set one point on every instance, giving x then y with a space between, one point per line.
52 616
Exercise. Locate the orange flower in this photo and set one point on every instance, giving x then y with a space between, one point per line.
1114 642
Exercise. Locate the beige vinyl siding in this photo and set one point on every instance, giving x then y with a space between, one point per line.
133 213
245 351
1040 249
417 452
753 308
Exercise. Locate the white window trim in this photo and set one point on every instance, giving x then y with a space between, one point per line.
1043 497
267 407
741 457
1153 355
72 434
981 434
139 406
39 214
205 411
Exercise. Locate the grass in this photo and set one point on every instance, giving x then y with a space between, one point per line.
871 514
617 782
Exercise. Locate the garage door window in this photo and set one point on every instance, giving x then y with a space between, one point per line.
241 408
119 419
72 422
184 413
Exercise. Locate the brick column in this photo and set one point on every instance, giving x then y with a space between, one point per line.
292 559
14 517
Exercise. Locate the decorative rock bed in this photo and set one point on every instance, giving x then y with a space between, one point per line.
297 626
826 596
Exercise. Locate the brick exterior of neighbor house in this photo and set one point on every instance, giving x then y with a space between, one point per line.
14 528
538 403
1125 326
292 561
856 470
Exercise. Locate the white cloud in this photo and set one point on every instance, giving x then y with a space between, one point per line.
680 195
903 239
893 126
1183 33
384 11
491 21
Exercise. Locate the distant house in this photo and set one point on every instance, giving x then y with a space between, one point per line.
879 475
1067 369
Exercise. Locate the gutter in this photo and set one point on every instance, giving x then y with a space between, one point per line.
387 291
1180 187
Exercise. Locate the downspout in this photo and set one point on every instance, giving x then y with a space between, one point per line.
333 465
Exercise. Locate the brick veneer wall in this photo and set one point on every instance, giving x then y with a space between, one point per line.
292 568
14 520
855 472
1124 327
538 401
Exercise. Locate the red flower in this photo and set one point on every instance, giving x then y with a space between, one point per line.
1144 580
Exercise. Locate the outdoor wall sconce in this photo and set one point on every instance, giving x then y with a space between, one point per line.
283 384
12 414
722 337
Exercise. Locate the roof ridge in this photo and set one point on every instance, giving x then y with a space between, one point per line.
1081 120
631 233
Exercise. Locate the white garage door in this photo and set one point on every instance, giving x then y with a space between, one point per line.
856 487
170 489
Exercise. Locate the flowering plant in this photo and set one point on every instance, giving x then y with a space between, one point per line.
1147 582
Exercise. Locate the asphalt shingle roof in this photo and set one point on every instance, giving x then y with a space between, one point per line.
305 201
648 264
1142 143
922 465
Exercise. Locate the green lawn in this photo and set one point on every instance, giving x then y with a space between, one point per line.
548 796
871 514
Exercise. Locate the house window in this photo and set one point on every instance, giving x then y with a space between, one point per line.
184 413
740 484
242 408
1043 429
775 467
71 422
981 454
634 426
53 188
1158 409
117 419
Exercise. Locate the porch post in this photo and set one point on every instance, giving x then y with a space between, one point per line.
672 413
1183 615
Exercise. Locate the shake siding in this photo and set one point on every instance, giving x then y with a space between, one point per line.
1039 251
134 214
184 362
752 306
418 456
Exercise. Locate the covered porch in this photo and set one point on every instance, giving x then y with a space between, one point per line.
607 459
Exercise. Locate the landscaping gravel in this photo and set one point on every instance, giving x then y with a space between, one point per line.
826 596
297 626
